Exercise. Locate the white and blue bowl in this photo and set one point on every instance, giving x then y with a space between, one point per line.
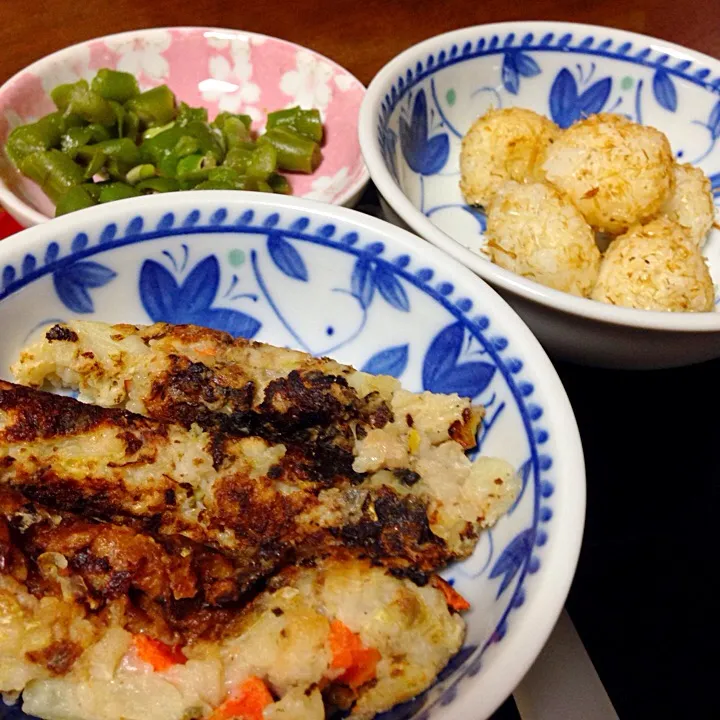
333 281
420 104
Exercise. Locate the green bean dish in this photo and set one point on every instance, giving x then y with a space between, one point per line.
108 141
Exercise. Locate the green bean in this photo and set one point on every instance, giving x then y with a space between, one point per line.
90 106
115 85
307 123
158 185
140 173
155 106
93 189
294 153
185 146
238 158
153 131
26 140
62 94
54 171
209 139
263 162
279 184
262 186
195 167
131 126
116 191
155 148
76 198
96 162
219 121
234 131
188 114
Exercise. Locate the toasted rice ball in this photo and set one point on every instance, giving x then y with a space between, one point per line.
538 233
691 204
655 267
617 172
503 145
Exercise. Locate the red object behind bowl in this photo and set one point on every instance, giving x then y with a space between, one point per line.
8 226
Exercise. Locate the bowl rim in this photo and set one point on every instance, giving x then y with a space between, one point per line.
23 209
707 322
530 629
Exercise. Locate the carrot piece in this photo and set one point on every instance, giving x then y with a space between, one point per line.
246 702
453 598
157 653
206 350
349 654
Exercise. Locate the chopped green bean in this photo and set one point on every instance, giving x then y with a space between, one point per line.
263 186
219 121
140 173
62 94
93 189
279 184
155 106
117 191
131 126
235 131
195 167
307 123
153 131
186 145
188 114
294 153
54 171
115 85
263 162
158 185
76 198
90 106
238 158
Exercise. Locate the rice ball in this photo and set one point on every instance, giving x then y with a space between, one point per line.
536 232
655 267
691 203
617 172
503 145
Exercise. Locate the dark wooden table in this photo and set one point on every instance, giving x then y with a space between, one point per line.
642 600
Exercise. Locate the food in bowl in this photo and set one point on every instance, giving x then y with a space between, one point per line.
108 141
261 540
554 198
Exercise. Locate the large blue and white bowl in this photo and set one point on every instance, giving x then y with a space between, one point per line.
335 282
421 103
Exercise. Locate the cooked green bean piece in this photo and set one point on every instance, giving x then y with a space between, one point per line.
130 126
235 132
140 173
93 189
62 94
279 184
294 153
187 114
185 146
155 106
115 85
158 185
307 123
219 121
90 106
195 167
238 158
54 171
95 164
116 191
263 162
209 139
76 198
263 186
153 131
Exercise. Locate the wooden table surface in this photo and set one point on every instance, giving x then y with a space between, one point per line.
362 35
650 452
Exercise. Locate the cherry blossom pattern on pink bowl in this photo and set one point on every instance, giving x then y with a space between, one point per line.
215 68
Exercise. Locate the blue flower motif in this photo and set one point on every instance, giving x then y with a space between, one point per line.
390 361
513 557
567 105
286 257
388 147
191 302
664 90
715 184
515 65
368 275
72 283
442 373
425 155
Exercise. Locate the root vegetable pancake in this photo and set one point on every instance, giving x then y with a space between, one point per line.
102 622
260 502
186 374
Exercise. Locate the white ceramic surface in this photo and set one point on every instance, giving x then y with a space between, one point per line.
419 105
336 282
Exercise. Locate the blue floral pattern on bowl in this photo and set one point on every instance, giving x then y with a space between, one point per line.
565 76
324 287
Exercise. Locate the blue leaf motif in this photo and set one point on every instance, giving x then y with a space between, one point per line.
526 66
714 121
664 90
512 559
73 281
567 106
191 302
286 257
390 361
510 74
158 291
391 289
362 282
441 371
201 285
715 184
425 155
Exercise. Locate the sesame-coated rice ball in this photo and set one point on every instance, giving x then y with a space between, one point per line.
538 233
503 145
617 172
691 203
655 267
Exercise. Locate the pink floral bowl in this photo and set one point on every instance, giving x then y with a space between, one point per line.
218 69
